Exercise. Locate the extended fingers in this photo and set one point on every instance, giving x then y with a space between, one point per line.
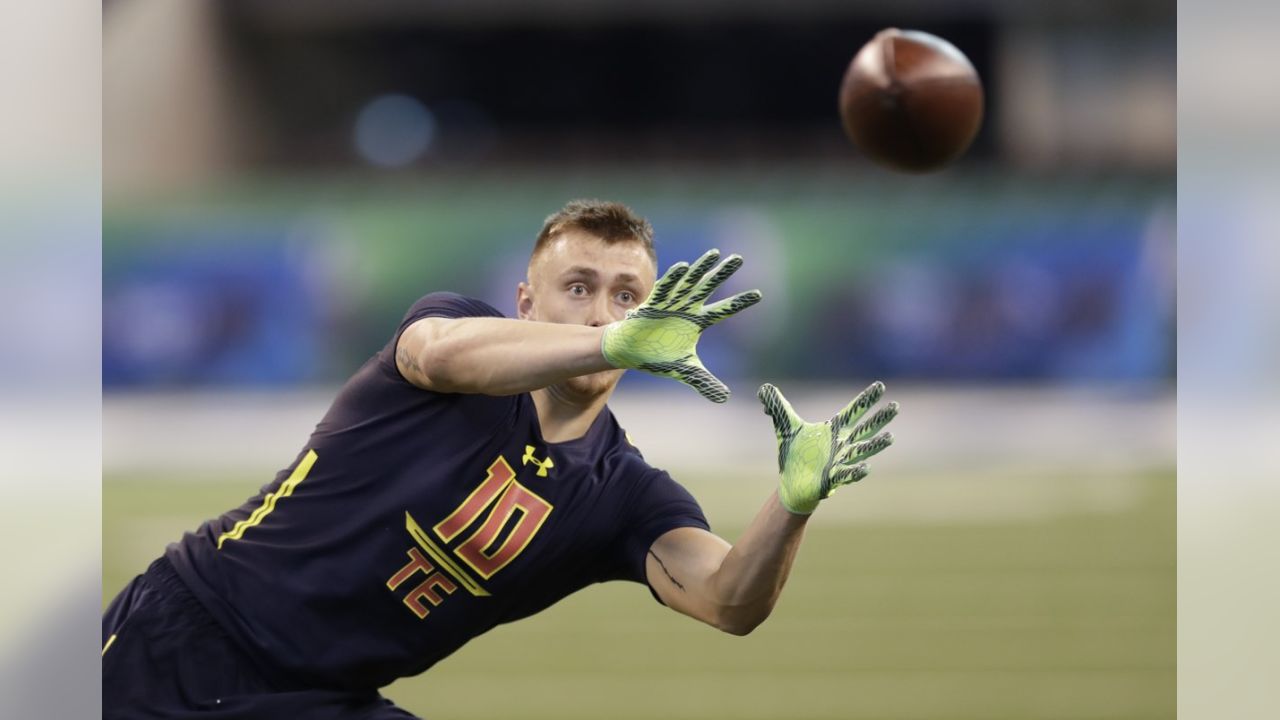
858 406
857 452
717 311
843 475
667 283
707 385
873 424
690 280
690 371
776 407
713 280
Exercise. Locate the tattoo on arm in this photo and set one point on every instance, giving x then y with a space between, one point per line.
668 572
407 360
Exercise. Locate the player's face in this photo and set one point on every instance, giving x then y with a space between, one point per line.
581 279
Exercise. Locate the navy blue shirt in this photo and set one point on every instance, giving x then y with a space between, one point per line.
413 521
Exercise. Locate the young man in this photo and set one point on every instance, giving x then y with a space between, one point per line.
470 474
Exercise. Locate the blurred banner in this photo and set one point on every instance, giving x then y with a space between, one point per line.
992 279
283 181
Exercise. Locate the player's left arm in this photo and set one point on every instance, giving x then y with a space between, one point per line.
735 587
731 587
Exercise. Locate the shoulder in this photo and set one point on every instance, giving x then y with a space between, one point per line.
443 305
613 438
625 464
448 305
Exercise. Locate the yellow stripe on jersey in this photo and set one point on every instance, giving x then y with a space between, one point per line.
269 502
109 641
438 554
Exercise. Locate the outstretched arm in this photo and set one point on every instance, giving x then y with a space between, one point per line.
497 356
734 588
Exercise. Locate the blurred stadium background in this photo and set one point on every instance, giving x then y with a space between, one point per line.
281 180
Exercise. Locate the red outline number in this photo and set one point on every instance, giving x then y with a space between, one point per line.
507 496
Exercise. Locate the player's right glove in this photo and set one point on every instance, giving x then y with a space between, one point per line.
815 459
661 335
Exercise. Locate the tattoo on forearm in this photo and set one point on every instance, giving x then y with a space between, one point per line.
407 360
668 572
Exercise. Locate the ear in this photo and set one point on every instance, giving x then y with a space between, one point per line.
524 301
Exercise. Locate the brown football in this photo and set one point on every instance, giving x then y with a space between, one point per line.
911 101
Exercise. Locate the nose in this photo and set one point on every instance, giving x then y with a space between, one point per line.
600 311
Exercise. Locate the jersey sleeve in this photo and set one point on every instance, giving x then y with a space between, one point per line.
659 504
436 304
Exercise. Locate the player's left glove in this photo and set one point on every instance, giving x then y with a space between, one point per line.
815 459
661 335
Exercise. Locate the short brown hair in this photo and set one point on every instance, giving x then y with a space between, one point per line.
610 221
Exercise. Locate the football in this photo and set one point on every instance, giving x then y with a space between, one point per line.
911 101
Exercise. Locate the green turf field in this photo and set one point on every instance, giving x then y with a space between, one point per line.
1069 616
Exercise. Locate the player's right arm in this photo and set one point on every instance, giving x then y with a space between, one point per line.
499 356
496 356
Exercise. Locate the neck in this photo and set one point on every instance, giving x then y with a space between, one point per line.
564 416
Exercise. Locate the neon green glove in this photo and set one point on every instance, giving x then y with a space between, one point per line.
661 335
815 459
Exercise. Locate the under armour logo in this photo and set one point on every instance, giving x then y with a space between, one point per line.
543 465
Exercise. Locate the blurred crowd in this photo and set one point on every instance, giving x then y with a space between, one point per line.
281 183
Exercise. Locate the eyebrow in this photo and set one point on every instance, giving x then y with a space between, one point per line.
584 271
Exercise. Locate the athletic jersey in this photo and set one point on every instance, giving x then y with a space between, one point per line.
413 521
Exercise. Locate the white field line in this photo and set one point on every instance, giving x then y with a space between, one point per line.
975 454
